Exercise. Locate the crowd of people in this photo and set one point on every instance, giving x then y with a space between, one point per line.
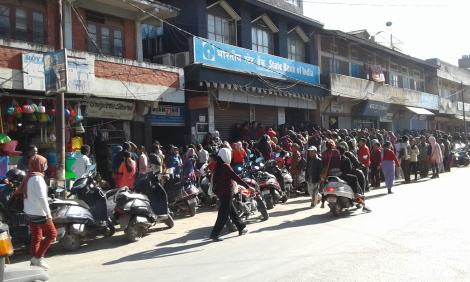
364 158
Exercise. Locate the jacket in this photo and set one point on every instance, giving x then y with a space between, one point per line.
376 157
364 155
222 183
314 169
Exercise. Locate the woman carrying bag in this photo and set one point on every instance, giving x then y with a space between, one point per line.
225 182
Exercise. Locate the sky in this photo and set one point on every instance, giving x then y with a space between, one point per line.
426 29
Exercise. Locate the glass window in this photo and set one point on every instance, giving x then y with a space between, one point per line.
39 28
262 40
221 29
92 39
105 43
4 21
118 43
21 25
296 48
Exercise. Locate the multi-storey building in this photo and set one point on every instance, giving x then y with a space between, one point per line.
109 81
373 85
251 61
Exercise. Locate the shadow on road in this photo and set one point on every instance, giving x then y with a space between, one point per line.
160 252
311 220
376 196
298 200
288 212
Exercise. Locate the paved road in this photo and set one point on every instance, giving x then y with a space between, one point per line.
418 233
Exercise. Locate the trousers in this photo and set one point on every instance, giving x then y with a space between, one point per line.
374 176
226 209
39 246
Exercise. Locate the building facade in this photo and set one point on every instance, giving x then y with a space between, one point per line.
109 82
373 86
250 62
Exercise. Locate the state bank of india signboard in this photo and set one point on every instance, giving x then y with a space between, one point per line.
224 56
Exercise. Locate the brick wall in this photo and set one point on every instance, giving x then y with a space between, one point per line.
79 36
10 58
113 71
52 24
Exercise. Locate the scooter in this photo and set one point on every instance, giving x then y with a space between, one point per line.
86 218
339 195
462 158
182 197
23 274
205 195
137 213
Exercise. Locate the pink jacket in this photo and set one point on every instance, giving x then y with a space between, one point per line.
436 153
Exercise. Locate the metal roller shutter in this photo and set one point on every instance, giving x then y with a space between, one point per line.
266 115
227 114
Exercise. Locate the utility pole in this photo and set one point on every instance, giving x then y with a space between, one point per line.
60 115
463 109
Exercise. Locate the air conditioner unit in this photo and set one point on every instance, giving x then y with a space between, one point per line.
165 59
182 59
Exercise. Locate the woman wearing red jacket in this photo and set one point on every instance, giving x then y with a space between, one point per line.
389 162
375 162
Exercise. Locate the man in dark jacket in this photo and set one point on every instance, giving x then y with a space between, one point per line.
313 173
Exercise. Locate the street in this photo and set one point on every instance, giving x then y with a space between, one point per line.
415 234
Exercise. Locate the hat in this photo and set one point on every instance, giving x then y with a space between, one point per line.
312 148
226 155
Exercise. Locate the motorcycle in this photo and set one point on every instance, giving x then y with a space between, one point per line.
205 195
269 186
182 197
85 218
23 274
461 158
247 201
339 195
11 209
137 213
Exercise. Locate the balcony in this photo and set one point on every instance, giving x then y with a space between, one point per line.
351 87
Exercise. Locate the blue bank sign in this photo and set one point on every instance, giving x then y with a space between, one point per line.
224 56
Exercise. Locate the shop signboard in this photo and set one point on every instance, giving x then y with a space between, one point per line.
80 73
429 101
336 108
387 118
375 109
166 115
224 56
55 71
110 109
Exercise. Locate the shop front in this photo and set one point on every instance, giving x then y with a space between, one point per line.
245 87
368 113
167 124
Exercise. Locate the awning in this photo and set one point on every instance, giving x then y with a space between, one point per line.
420 111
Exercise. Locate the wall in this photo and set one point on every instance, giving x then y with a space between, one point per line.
283 5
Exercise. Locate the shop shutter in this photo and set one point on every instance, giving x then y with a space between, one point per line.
227 114
295 116
266 115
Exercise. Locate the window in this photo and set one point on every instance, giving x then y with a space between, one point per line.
296 48
262 39
221 29
152 40
293 2
105 35
334 66
23 24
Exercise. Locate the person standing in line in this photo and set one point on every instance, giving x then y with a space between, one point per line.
405 158
313 173
143 166
389 162
125 176
423 159
414 153
202 156
364 157
375 162
435 157
36 206
225 182
447 153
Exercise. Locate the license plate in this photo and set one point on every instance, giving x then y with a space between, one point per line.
331 199
265 192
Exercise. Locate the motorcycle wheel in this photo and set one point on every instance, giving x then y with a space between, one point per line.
70 242
133 232
262 209
192 207
169 222
335 209
110 229
269 201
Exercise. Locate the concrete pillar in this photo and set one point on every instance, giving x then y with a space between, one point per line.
281 39
210 114
281 115
138 38
245 26
67 26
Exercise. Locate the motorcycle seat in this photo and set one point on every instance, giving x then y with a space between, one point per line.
132 196
110 193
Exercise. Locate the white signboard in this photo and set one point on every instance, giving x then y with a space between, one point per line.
460 106
336 108
101 108
33 71
80 73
